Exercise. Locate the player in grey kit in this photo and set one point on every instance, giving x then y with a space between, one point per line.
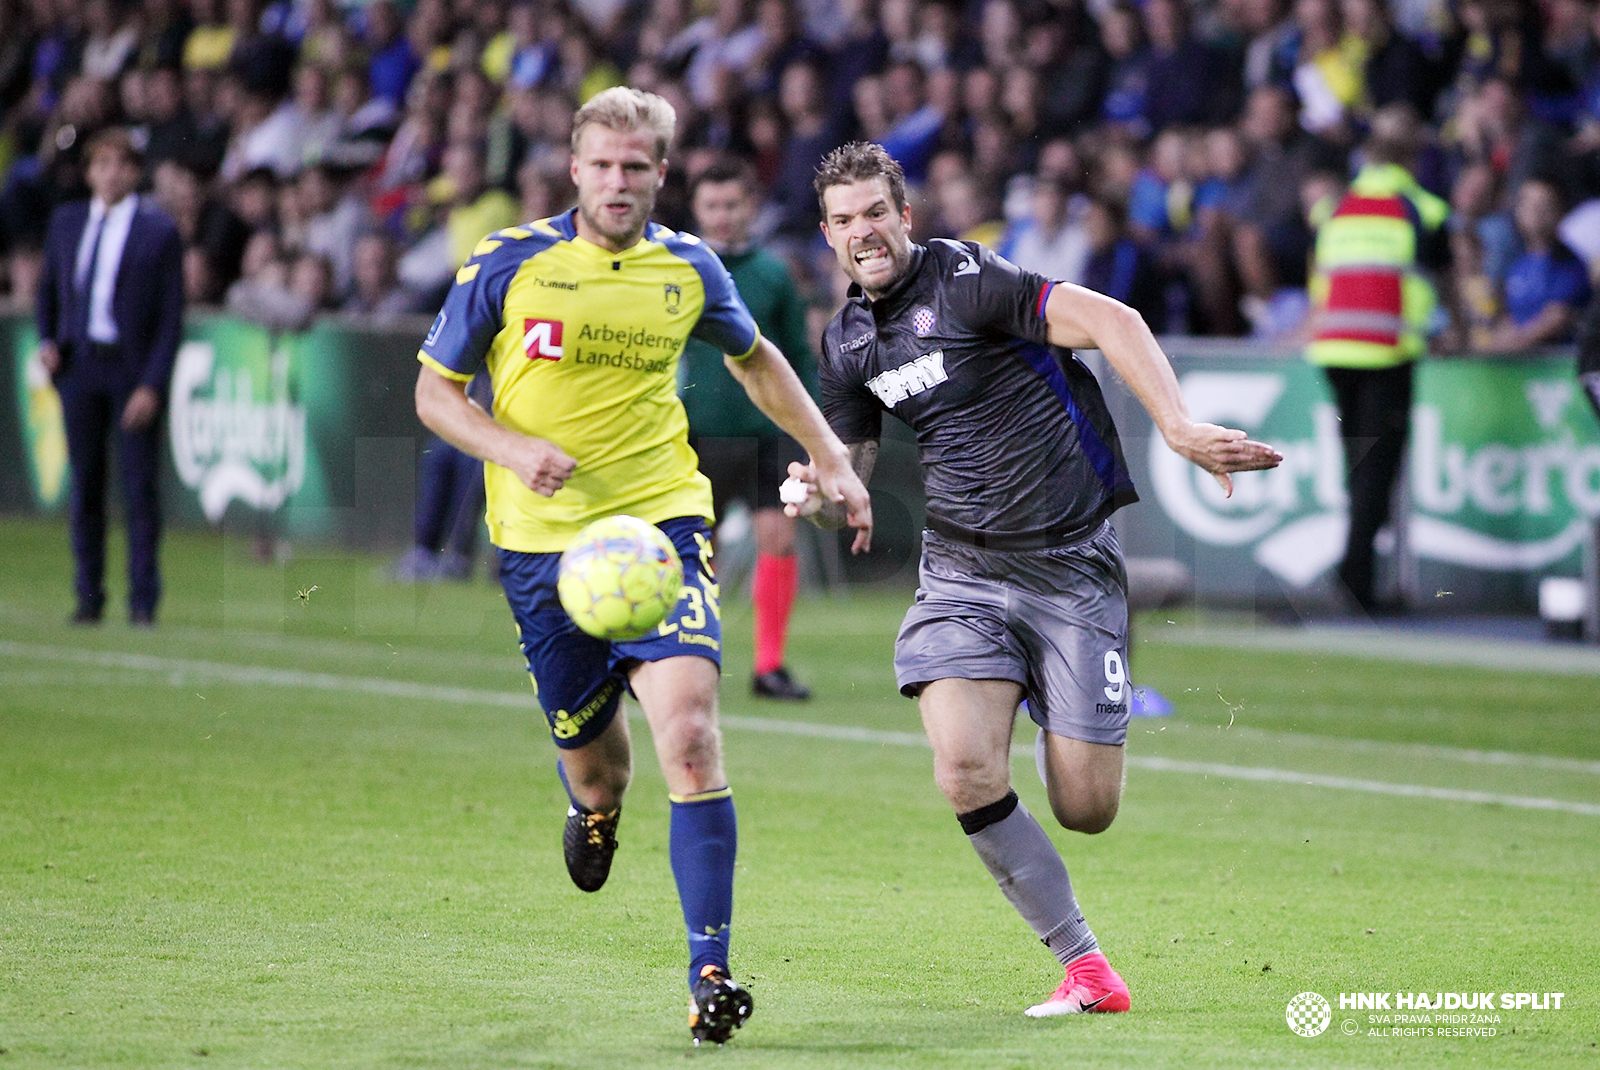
1022 590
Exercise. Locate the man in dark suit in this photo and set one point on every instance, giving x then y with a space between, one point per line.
110 314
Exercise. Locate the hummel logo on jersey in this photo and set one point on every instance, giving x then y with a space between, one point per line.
541 339
897 384
968 266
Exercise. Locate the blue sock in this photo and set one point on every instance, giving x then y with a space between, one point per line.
704 841
561 771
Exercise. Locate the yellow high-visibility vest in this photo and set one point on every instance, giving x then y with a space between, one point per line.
1369 305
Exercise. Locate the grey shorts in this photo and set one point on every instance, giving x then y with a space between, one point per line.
1054 621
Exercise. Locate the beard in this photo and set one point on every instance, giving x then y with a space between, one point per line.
898 260
618 232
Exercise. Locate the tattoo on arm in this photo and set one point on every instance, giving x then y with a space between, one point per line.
863 456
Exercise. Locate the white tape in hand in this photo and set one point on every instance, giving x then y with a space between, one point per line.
793 492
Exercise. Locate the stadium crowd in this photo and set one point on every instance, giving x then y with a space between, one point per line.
319 157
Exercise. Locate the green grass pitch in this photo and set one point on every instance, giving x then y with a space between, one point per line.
320 828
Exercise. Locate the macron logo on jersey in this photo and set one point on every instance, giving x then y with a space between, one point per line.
968 265
897 384
541 339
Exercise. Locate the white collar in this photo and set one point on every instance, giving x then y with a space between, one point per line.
99 207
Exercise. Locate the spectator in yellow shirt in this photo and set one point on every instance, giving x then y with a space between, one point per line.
474 211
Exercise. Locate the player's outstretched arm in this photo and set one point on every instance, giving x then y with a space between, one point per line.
444 408
776 390
1082 319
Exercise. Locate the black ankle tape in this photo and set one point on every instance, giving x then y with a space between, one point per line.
975 821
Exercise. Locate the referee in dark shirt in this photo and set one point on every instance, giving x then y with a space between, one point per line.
1022 591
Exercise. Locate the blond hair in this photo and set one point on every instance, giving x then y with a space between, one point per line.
625 110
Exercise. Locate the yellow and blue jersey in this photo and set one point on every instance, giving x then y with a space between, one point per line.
582 346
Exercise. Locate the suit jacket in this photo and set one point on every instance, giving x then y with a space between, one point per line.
147 304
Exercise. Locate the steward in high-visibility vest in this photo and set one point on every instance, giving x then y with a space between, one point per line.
1370 304
1370 309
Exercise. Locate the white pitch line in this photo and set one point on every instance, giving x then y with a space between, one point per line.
847 733
1172 765
1581 766
1376 787
1388 644
260 674
254 674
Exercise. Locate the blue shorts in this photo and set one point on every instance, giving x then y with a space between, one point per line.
580 679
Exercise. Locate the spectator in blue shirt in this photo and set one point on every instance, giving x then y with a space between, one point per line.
393 61
1188 80
1160 205
1474 201
814 132
1119 266
1208 269
1226 157
916 121
1127 96
1548 285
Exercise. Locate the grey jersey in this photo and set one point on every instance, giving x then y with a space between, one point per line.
1017 446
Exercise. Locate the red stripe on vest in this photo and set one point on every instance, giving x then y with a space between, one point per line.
1365 291
1389 207
1377 338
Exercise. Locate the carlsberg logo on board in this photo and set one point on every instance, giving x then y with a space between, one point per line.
1293 515
1542 488
237 434
1503 469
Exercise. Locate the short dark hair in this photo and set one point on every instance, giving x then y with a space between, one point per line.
264 175
860 161
724 169
114 139
909 65
1115 207
1061 185
1551 182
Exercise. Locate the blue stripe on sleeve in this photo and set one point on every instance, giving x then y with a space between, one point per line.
725 323
474 309
1044 296
1100 456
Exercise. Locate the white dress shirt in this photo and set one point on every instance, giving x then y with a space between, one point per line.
113 239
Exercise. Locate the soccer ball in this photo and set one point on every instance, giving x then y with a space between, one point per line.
619 577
